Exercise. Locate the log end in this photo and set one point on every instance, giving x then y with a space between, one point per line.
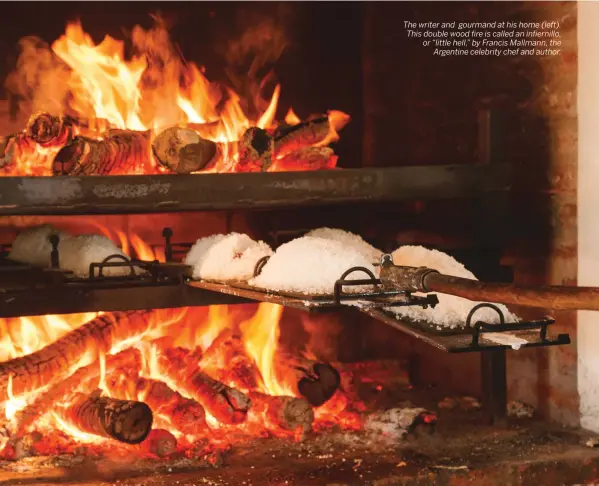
160 442
47 129
196 156
321 386
298 413
167 147
255 150
133 425
67 158
240 405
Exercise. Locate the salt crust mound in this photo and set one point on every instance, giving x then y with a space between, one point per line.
226 257
76 253
451 311
349 240
310 265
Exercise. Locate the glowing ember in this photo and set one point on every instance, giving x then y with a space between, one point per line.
97 90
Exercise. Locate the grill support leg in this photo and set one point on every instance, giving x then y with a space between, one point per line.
494 385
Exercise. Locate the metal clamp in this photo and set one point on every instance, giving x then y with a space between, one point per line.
109 261
481 327
260 265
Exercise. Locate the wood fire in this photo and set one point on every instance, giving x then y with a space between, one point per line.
104 125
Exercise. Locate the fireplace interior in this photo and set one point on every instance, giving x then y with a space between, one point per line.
132 369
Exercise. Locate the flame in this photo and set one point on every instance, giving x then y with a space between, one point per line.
105 86
291 118
261 336
151 90
204 335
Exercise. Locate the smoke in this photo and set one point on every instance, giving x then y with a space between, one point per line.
40 77
250 55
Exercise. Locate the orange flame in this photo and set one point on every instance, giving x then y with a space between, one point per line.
152 90
194 330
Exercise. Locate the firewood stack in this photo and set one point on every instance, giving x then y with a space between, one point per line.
81 147
116 397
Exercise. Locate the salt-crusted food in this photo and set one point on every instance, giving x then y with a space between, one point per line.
76 253
349 240
32 246
226 257
310 265
451 311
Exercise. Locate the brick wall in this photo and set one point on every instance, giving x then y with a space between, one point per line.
420 109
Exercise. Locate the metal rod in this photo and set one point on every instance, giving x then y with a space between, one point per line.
494 385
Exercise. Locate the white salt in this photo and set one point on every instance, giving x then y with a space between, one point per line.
505 339
77 253
311 265
226 257
349 240
32 246
451 311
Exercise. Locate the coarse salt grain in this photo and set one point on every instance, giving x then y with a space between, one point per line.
451 311
226 257
349 240
311 265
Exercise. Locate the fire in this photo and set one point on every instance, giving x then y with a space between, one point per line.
261 336
167 358
104 85
100 88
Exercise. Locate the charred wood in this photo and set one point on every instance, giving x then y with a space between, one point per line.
289 139
54 362
208 130
7 150
123 420
120 152
306 158
159 442
185 414
289 413
316 382
50 131
183 150
226 359
26 417
225 404
255 150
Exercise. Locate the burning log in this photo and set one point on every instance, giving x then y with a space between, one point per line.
548 297
54 362
50 131
306 158
186 415
255 150
124 420
289 139
62 389
316 382
183 150
120 152
7 150
208 130
225 404
226 358
289 413
24 446
159 442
